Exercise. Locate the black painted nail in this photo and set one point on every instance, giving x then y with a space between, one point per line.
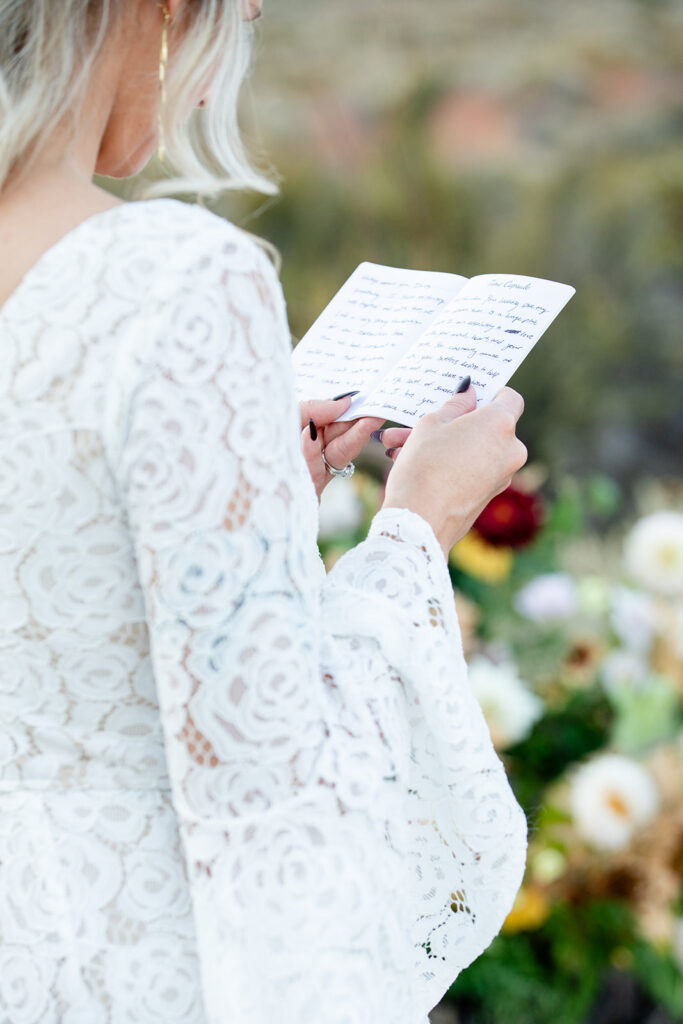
345 395
463 385
313 430
376 435
388 451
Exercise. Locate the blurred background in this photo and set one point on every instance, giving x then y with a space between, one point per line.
481 136
540 138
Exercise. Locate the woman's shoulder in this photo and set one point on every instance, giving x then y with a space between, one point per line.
201 259
193 266
184 233
212 298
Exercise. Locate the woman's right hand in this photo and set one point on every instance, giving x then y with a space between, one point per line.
455 460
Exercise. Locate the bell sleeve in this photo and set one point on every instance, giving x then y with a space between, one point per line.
351 838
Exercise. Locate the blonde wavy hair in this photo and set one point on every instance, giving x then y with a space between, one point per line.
48 49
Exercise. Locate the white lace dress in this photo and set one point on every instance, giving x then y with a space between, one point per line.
234 788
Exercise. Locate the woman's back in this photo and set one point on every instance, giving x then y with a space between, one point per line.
93 876
234 787
73 617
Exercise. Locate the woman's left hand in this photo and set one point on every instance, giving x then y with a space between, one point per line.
342 441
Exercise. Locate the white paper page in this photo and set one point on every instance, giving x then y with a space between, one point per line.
372 320
486 332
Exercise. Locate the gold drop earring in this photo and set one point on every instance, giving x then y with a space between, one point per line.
163 60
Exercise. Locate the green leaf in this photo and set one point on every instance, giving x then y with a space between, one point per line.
644 716
660 976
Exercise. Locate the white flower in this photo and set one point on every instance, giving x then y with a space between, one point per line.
633 616
550 596
510 708
623 669
341 508
611 796
653 552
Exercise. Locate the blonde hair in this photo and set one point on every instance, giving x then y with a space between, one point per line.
48 50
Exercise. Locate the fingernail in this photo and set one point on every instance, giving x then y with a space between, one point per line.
388 451
313 430
345 395
376 435
463 385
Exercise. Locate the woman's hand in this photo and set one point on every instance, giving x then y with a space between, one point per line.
342 441
455 460
393 439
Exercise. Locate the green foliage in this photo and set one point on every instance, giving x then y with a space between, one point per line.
660 977
552 975
558 739
548 976
644 716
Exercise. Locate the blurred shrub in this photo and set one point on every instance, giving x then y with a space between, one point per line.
602 388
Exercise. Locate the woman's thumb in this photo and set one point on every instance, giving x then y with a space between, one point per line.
461 401
323 410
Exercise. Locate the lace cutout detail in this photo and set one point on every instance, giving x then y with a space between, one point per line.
233 787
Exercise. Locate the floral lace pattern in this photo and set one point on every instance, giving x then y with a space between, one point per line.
234 787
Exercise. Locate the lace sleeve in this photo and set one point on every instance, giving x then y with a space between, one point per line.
350 835
466 835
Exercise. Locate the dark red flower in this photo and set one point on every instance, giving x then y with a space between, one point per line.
511 519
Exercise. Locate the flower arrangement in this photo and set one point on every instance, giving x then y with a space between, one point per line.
571 614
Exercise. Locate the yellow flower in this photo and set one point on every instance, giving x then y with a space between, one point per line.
529 911
475 556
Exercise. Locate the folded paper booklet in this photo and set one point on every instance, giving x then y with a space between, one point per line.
406 338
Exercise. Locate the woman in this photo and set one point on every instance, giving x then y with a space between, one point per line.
233 788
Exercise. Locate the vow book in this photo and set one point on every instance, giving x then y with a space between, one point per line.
406 338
